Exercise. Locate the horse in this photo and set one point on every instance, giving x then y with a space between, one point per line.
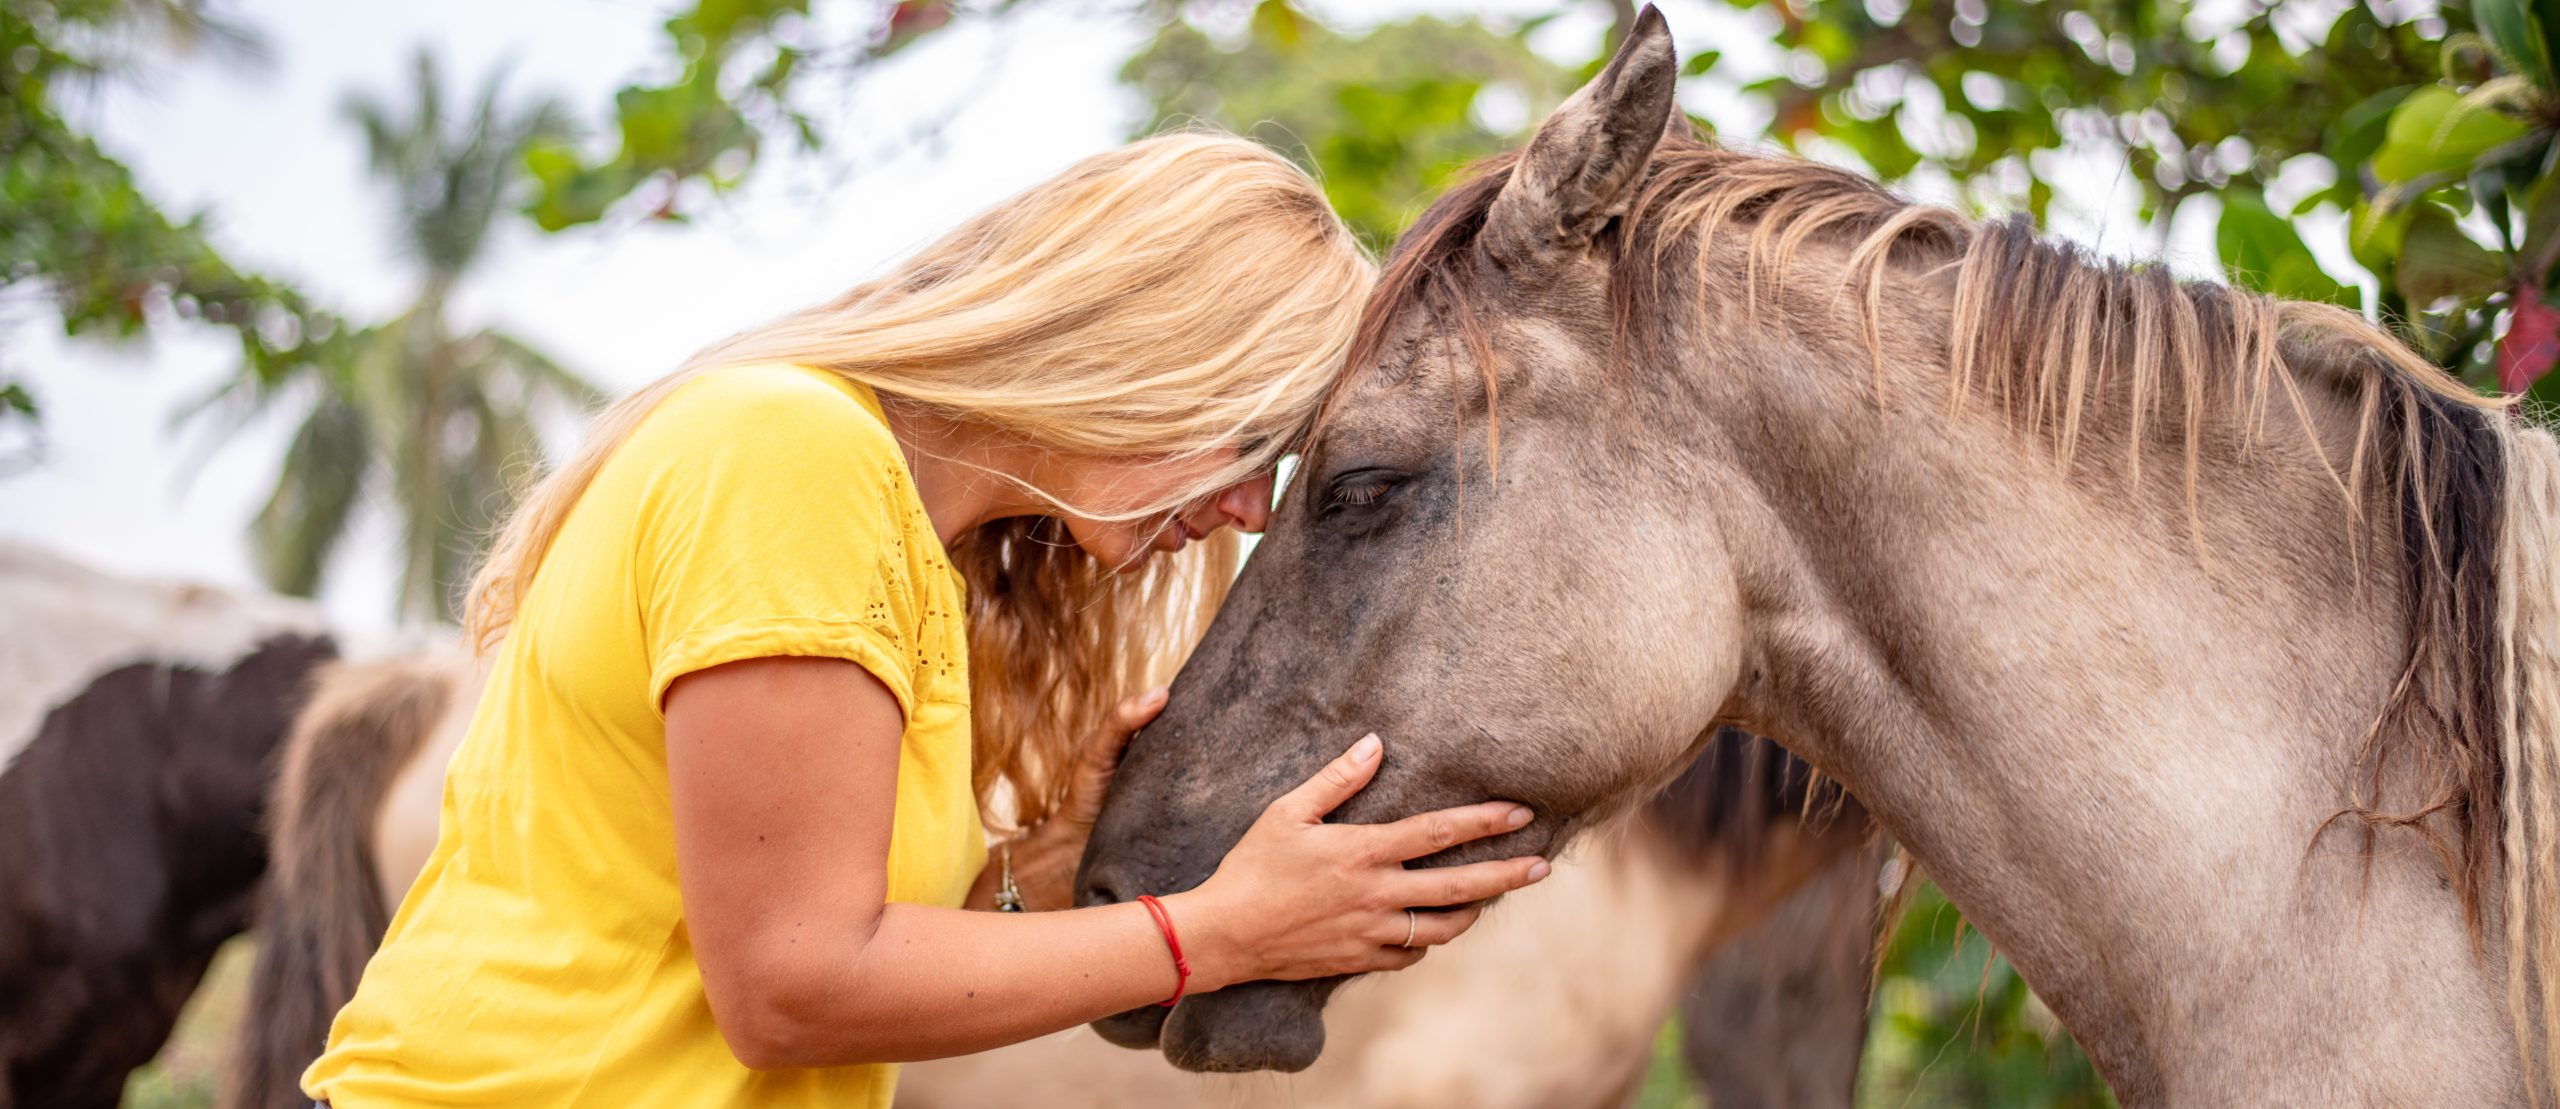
1556 1000
2204 646
136 723
1557 1004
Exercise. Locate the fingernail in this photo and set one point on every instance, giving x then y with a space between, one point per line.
1157 697
1538 870
1520 815
1366 749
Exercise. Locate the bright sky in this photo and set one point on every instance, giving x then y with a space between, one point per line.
268 152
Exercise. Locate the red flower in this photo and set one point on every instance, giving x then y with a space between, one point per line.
2531 345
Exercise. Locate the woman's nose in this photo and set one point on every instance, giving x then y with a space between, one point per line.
1248 503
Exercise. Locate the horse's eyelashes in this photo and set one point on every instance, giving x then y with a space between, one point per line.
1359 488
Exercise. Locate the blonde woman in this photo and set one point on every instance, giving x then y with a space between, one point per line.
804 610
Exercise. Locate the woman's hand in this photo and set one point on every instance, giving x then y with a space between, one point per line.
1045 858
1300 898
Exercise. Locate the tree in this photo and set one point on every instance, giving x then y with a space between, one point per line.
1386 118
1953 1023
2429 127
1385 115
409 410
75 225
740 67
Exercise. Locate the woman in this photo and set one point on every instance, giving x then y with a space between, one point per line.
721 805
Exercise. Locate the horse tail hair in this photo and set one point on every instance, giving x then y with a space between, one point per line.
2529 650
1737 791
321 914
1778 1017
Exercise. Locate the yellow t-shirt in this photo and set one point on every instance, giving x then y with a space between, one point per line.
541 959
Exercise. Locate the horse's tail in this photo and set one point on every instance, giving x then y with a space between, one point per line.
2529 639
322 913
1778 1017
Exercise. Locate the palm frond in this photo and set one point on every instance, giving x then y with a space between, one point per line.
315 496
441 430
543 377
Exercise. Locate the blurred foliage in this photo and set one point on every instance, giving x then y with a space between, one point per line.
1386 117
76 229
1954 1025
2428 126
408 411
740 72
1667 1084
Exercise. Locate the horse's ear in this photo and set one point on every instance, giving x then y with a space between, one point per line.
1581 169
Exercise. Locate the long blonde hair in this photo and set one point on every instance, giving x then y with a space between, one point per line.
1178 296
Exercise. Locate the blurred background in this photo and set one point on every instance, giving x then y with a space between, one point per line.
294 294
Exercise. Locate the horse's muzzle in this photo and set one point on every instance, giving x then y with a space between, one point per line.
1277 1026
1137 1028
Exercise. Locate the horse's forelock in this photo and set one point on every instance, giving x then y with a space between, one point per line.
1421 276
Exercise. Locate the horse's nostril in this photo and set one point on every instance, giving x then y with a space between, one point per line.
1100 888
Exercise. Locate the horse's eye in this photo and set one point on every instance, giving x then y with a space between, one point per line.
1360 488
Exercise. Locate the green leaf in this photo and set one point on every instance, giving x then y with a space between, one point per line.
2357 132
2547 17
2512 32
1277 25
1701 62
2488 185
2438 261
2374 232
2541 217
1881 145
2543 400
2260 250
2435 131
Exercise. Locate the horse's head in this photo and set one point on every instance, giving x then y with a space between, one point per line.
1418 584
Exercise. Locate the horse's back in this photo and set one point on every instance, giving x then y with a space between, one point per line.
355 816
136 721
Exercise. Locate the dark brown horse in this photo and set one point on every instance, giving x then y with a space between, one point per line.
136 723
2204 647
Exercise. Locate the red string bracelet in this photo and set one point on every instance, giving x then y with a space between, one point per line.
1181 966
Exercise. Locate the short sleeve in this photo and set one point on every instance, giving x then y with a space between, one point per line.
776 521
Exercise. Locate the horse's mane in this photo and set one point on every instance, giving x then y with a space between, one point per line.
1740 790
2070 346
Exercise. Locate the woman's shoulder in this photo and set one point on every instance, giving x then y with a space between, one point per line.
777 406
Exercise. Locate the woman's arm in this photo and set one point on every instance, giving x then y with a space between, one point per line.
784 778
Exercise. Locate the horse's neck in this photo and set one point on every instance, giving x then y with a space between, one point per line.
2115 754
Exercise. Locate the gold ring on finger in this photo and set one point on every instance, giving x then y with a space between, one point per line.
1411 922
